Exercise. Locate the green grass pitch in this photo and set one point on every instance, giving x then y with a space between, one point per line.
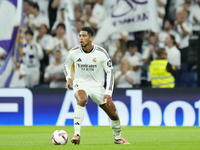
101 138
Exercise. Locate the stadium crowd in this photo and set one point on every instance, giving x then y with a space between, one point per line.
46 47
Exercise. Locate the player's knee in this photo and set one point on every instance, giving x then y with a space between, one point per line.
82 101
114 116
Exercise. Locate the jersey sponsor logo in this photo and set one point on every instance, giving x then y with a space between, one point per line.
94 59
109 63
79 60
87 67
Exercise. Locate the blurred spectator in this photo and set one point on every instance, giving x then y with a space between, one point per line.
161 72
161 11
57 43
78 15
135 58
184 28
59 4
54 73
93 16
79 26
171 9
27 13
173 54
3 54
76 5
26 7
194 18
112 42
61 20
186 6
42 37
38 20
178 3
82 3
168 29
30 67
98 14
43 5
149 53
88 13
124 78
119 54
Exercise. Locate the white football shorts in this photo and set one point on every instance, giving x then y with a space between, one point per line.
96 93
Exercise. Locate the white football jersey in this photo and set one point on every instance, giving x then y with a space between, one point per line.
90 67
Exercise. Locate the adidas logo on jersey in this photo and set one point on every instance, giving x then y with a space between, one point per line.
79 60
77 123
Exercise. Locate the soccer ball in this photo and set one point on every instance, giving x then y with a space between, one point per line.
59 137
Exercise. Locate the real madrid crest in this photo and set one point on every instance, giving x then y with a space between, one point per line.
94 59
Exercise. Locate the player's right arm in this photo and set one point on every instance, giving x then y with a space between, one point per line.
67 70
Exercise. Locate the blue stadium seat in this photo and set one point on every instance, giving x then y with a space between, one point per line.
184 67
188 79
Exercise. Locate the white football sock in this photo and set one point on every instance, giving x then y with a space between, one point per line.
78 118
116 127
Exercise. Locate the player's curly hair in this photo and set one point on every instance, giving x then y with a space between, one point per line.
89 30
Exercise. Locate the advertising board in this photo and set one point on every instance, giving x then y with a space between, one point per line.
136 107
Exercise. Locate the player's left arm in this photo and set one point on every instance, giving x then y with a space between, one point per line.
107 65
67 70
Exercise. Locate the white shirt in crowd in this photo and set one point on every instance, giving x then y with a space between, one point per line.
147 51
43 41
43 5
135 60
27 20
98 14
162 11
163 35
145 55
195 11
112 42
180 8
178 3
55 24
63 4
123 83
30 67
51 44
56 70
174 56
32 55
184 39
38 21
